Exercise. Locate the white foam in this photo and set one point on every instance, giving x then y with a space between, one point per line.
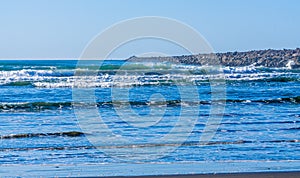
178 75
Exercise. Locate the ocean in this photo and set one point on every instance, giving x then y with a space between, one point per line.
149 114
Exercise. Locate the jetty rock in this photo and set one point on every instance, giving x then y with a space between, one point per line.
289 58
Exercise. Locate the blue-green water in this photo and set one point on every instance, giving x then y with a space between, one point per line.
261 120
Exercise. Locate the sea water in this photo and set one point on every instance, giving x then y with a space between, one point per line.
40 126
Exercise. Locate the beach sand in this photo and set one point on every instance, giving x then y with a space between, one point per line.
233 175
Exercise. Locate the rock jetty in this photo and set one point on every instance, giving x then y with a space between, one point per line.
267 58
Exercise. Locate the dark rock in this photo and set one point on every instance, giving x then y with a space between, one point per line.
266 58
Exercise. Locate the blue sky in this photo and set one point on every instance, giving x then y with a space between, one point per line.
62 28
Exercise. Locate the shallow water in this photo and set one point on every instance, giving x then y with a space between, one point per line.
39 125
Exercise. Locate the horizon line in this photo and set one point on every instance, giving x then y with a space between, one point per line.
58 58
124 58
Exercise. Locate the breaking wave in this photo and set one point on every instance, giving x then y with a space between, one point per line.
138 74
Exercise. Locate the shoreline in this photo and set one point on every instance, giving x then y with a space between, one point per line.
291 174
287 168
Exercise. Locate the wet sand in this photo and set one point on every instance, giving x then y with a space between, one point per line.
233 175
257 169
